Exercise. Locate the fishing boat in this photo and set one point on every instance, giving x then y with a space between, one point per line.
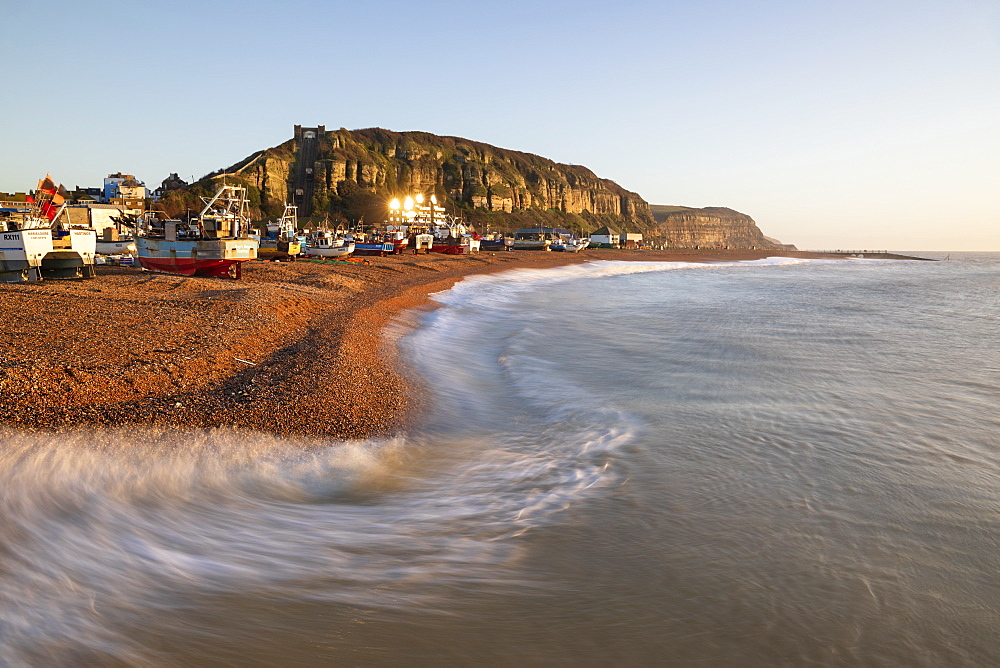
535 238
324 243
453 245
574 245
72 256
119 239
36 243
453 237
390 242
496 242
215 243
282 241
22 250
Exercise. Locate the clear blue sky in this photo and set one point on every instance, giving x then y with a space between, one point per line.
870 124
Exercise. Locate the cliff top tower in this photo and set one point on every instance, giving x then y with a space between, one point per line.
303 133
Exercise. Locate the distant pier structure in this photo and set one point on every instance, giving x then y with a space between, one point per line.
304 179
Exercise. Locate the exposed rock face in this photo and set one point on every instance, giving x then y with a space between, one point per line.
473 174
710 227
352 174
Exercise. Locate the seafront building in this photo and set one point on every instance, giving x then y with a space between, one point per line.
96 207
629 239
123 187
13 202
604 237
98 216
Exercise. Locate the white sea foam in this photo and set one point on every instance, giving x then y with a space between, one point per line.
490 289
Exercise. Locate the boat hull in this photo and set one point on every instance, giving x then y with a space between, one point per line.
387 248
463 246
221 258
450 249
532 244
496 244
122 247
21 254
330 251
67 264
569 247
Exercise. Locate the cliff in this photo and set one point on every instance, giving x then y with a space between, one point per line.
709 227
351 175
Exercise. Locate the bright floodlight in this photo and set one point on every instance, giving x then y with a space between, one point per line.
394 204
420 199
434 199
408 204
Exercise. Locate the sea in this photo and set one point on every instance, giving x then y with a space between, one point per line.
779 462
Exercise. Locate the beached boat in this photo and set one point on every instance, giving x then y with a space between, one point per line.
324 243
453 237
452 245
22 251
216 243
72 256
535 238
570 245
37 243
120 239
496 243
282 242
392 242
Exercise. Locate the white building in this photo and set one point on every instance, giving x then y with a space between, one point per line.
97 216
604 236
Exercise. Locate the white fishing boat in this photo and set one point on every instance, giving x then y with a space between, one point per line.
570 245
37 243
120 239
123 246
327 244
22 250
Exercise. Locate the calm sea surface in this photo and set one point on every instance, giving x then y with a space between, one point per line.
780 462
